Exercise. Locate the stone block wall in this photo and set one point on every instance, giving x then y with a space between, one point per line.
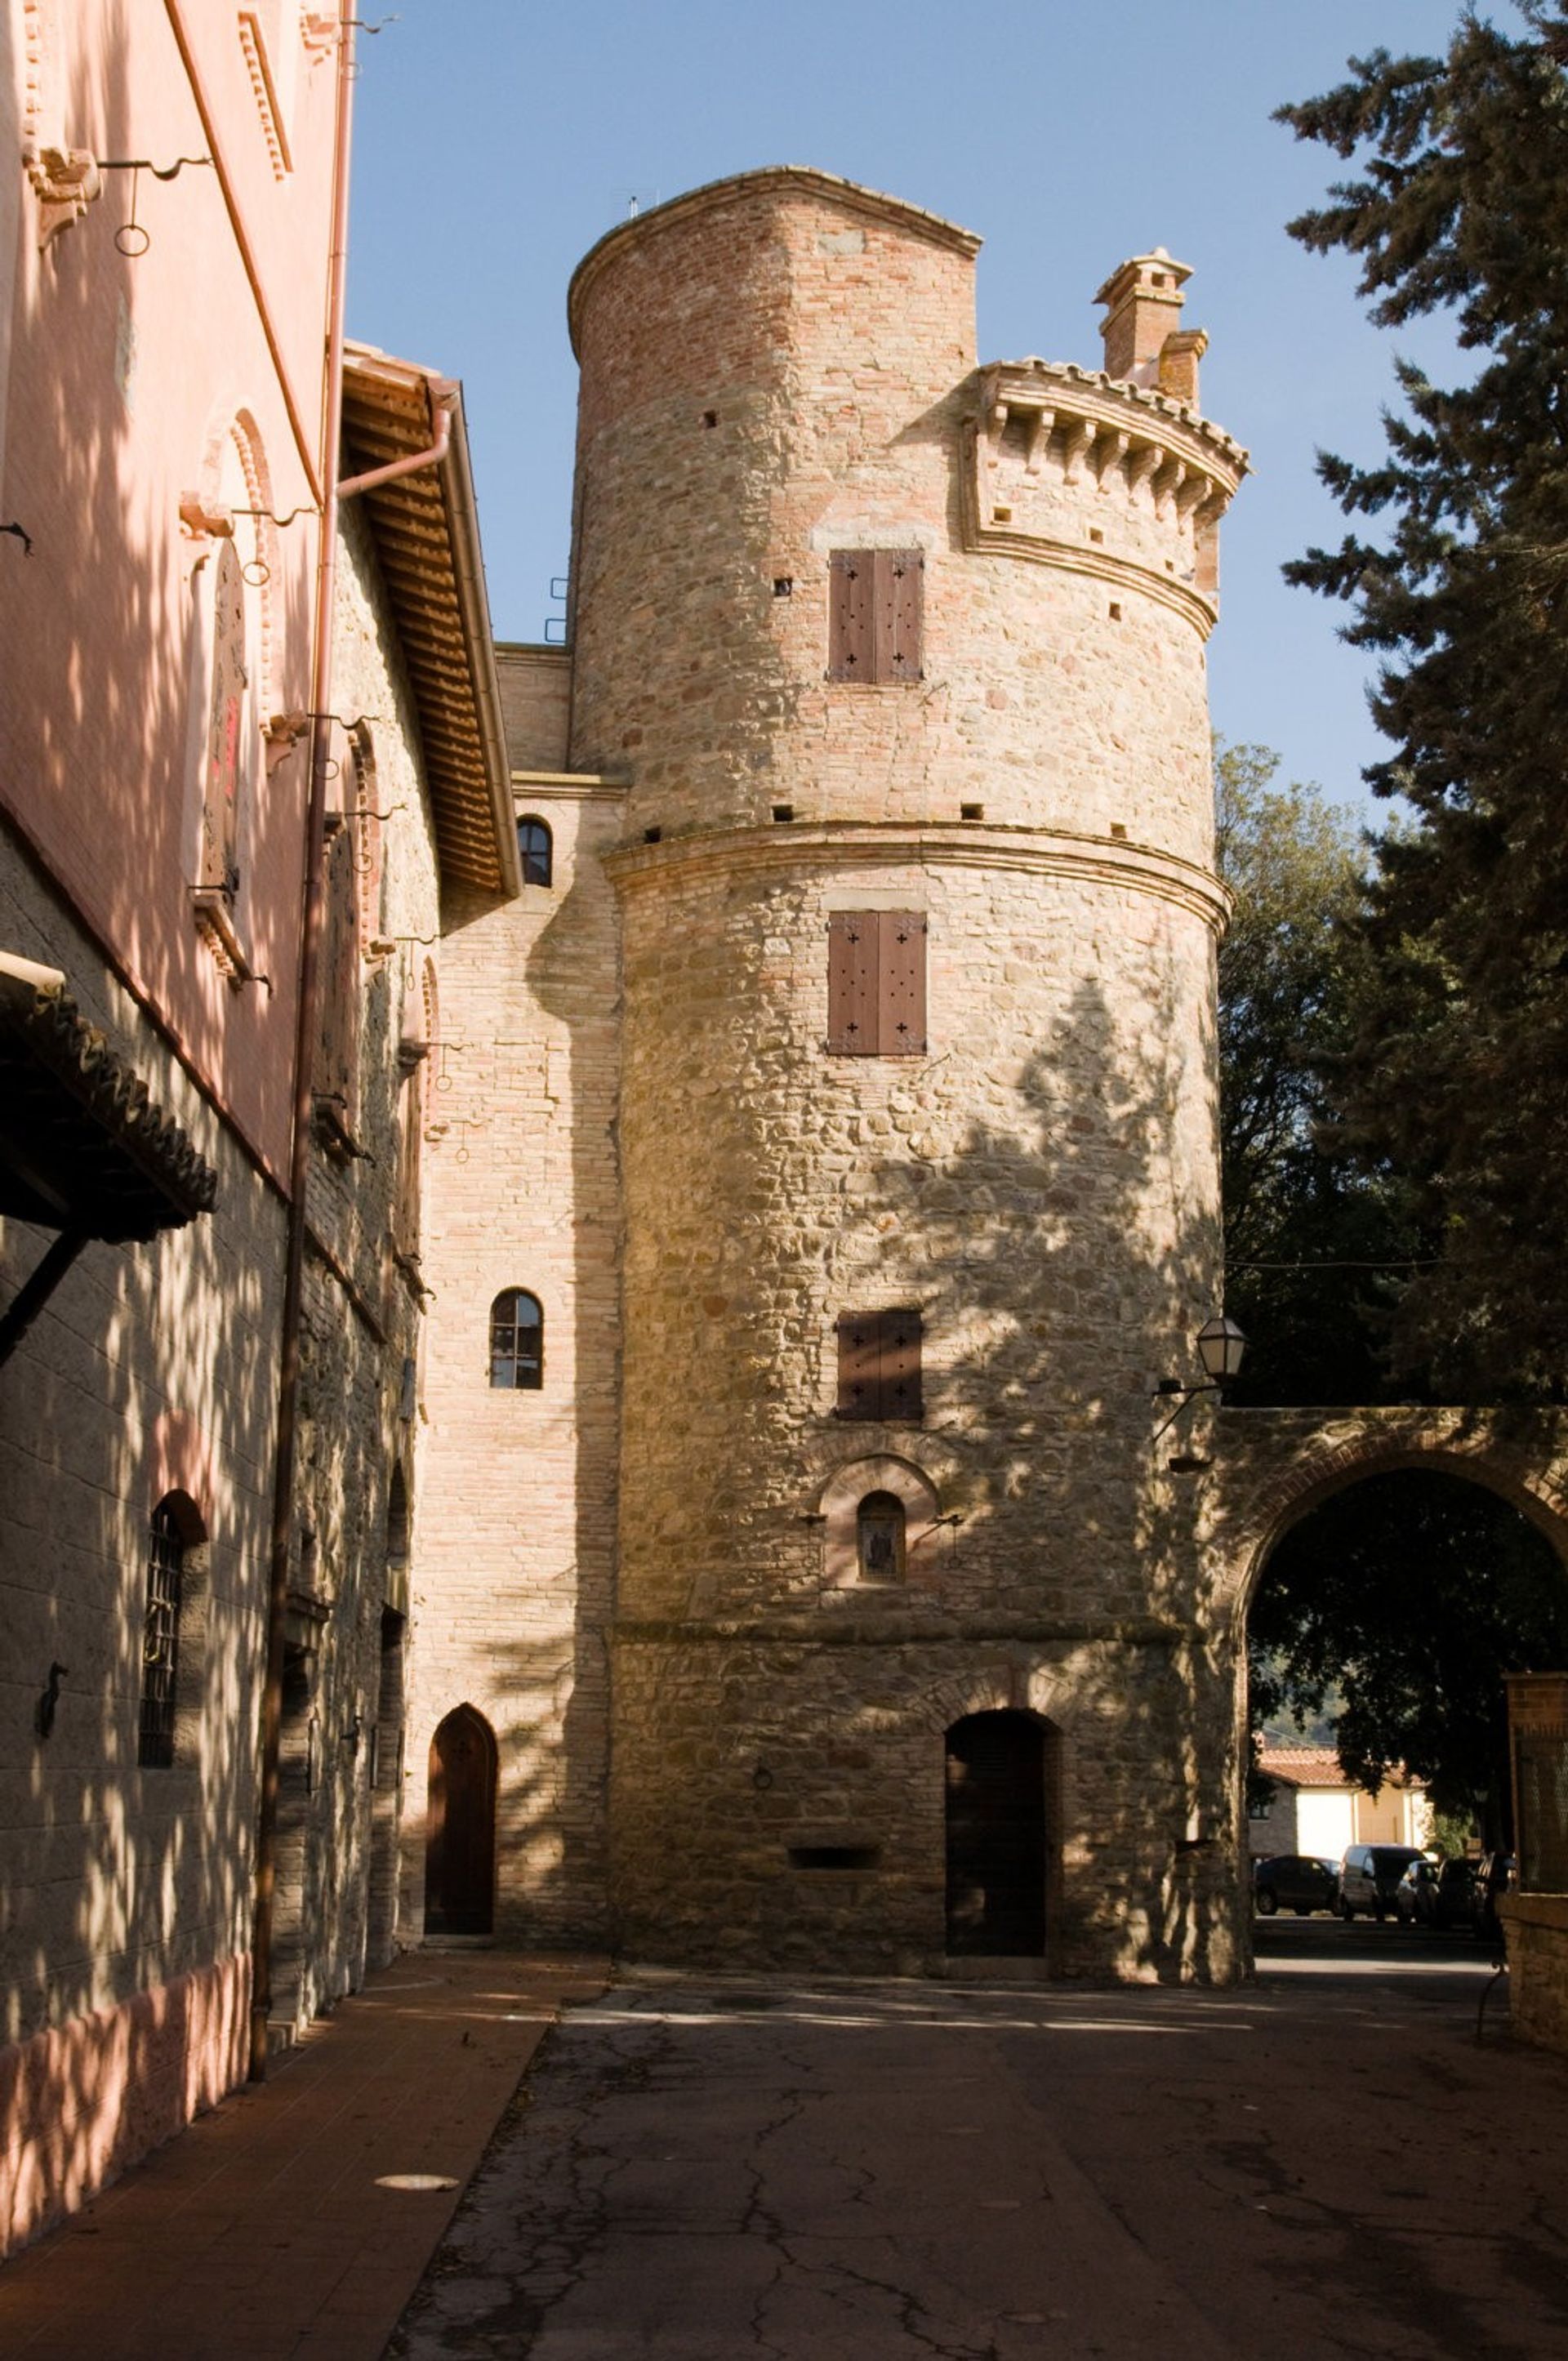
774 370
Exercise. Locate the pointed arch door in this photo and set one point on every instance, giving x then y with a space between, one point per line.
460 1829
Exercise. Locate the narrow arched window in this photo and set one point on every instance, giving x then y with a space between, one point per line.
879 1526
534 850
517 1339
160 1638
225 729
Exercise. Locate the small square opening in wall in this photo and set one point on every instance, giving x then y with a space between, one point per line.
1095 535
784 586
1002 516
1119 831
1116 610
710 417
651 835
783 812
971 812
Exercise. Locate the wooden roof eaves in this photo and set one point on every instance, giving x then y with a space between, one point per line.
441 611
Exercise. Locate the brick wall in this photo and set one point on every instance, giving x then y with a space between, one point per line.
517 1489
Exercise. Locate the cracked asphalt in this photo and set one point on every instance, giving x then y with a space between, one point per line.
1325 2163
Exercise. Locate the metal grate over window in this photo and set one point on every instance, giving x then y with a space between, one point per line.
517 1340
160 1640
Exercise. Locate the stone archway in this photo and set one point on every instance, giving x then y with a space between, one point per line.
1272 1469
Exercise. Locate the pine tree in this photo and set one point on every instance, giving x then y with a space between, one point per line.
1458 1074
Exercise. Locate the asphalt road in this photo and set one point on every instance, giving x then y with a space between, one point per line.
1323 2163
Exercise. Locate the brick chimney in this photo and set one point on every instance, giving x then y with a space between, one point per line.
1143 301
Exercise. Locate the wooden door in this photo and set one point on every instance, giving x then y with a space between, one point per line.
460 1840
996 1836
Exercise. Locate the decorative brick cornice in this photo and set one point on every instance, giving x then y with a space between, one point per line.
946 844
1182 469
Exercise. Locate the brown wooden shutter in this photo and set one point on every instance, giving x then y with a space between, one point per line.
900 1364
900 601
860 1365
851 615
879 1364
853 943
901 984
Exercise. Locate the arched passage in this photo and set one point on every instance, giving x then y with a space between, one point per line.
1381 1621
460 1827
999 1773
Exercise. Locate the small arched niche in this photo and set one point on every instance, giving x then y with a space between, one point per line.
880 1519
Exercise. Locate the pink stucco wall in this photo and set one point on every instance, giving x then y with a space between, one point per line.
126 373
82 2101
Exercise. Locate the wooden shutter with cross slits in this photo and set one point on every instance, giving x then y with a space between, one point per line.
875 615
876 984
900 984
879 1364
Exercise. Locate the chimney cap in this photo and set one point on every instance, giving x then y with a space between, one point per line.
1157 273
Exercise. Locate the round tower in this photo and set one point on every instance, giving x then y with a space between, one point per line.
902 659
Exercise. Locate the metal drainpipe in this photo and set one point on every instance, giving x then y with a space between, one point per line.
304 1044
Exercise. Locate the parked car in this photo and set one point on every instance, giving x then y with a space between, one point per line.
1369 1877
1294 1881
1435 1893
1494 1875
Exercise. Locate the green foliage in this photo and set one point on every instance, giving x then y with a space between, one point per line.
1412 1593
1313 1241
1457 1072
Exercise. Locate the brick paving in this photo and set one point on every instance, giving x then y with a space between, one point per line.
262 2232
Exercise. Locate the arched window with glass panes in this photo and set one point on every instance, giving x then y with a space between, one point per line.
517 1341
536 851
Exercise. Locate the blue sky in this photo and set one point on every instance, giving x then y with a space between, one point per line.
497 139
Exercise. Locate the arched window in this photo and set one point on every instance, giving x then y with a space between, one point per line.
337 1052
878 1532
534 850
160 1636
225 728
517 1339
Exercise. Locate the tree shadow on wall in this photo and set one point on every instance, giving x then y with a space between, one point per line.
130 1876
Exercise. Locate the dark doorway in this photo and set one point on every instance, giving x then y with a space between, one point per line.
460 1841
386 1791
996 1836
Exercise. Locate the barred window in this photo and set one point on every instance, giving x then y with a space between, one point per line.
517 1340
160 1639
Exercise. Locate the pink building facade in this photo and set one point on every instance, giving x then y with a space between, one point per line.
165 372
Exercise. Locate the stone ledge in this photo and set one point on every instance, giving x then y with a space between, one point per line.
1547 1912
892 1630
962 844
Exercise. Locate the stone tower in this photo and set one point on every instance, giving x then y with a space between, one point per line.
902 659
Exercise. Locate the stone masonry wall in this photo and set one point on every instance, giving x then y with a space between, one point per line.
774 369
340 1792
